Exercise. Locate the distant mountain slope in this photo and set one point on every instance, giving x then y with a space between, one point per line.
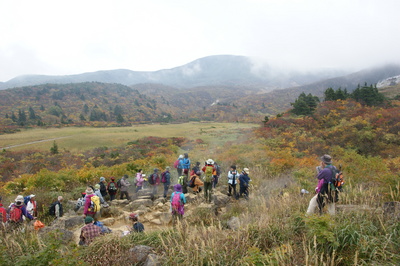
227 70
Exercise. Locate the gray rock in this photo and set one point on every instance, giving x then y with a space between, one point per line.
108 221
392 209
152 260
64 235
234 223
145 202
220 199
140 253
67 222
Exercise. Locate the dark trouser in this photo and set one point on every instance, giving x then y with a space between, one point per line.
155 189
244 190
138 188
232 187
166 186
179 171
112 197
207 191
126 194
215 182
184 186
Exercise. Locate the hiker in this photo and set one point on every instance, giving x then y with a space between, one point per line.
137 226
185 164
89 208
103 187
139 180
244 181
154 180
209 172
217 174
89 232
197 183
98 193
17 210
195 169
80 202
3 213
166 180
232 181
325 176
178 166
31 205
112 188
178 201
56 208
124 187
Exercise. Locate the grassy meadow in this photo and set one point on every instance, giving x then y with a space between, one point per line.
78 139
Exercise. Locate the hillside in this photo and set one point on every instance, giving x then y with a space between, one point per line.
269 228
225 70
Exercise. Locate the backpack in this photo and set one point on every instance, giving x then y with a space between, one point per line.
181 180
192 181
152 180
208 173
335 185
119 185
52 209
176 201
95 204
27 199
164 177
112 186
15 214
176 163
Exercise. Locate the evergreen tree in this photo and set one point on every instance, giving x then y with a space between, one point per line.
330 95
54 148
13 117
32 115
120 119
305 104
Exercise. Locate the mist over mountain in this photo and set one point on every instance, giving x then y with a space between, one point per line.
227 70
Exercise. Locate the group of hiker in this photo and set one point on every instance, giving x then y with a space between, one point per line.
26 208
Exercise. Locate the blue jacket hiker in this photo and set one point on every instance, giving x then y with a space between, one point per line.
185 164
244 180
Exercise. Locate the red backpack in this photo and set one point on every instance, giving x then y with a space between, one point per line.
15 213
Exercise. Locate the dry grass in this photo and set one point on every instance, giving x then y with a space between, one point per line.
78 139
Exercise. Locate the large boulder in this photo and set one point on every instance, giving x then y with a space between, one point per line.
140 253
145 202
68 222
220 199
108 221
51 233
152 260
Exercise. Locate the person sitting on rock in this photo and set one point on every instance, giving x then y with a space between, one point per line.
137 226
89 232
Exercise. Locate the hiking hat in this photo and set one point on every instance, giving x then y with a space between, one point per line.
155 169
89 191
102 179
178 188
167 168
326 159
88 219
181 156
133 216
246 170
19 200
198 173
31 196
210 161
197 163
97 186
112 178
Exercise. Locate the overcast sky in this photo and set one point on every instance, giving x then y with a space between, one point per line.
59 37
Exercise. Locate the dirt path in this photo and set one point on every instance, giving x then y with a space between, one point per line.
32 142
